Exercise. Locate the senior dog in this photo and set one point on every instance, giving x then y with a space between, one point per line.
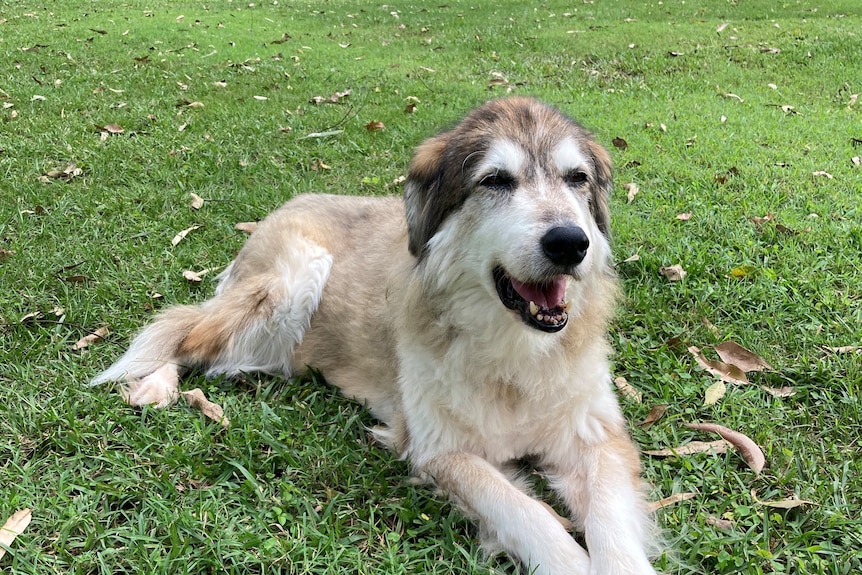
471 319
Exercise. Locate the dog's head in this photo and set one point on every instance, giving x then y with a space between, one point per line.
530 187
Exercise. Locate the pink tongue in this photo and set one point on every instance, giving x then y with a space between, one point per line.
547 295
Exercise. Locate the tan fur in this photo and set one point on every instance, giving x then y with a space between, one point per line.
401 313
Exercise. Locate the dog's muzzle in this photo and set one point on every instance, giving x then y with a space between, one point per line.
542 305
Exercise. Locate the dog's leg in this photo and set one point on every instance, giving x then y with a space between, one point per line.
524 528
602 487
252 324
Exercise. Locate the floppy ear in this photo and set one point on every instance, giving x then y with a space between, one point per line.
422 192
601 193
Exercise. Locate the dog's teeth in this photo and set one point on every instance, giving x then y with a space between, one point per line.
567 306
534 309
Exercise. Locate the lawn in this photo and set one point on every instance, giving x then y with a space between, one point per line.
738 122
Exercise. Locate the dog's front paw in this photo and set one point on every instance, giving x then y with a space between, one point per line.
159 389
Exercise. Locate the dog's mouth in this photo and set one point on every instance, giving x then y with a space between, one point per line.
541 305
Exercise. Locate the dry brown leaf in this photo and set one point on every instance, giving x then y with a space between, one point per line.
719 523
789 503
721 370
111 128
821 173
845 349
195 277
720 27
656 413
750 451
785 391
93 337
856 160
374 126
14 526
197 202
674 273
760 221
684 217
620 143
410 108
179 237
714 393
632 258
4 253
632 190
733 353
671 500
196 399
628 390
247 227
733 96
715 447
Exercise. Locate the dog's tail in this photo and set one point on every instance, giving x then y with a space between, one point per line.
159 343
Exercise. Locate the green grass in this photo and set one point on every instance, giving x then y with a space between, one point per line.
294 485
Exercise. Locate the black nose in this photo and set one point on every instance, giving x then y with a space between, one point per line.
565 245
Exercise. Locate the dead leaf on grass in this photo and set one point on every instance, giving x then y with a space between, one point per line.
632 190
715 447
195 277
785 391
733 353
673 273
14 526
720 27
845 349
723 371
822 174
197 400
790 503
684 217
656 413
714 393
759 221
750 451
731 96
856 160
93 337
628 390
179 237
111 128
632 258
671 500
335 98
374 126
197 201
719 523
247 227
620 143
5 254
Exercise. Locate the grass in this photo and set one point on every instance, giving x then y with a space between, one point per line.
294 485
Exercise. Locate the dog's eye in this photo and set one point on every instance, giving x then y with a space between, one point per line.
502 181
575 178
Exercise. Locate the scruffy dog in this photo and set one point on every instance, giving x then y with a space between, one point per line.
470 318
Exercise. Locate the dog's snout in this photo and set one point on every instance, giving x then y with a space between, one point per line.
565 245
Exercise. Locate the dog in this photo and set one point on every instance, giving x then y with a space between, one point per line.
471 319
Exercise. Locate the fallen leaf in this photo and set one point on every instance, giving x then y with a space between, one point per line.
284 38
632 189
717 522
111 128
715 447
853 99
733 353
93 337
845 349
179 237
261 98
789 503
785 391
620 143
732 96
318 165
195 277
714 393
628 390
672 500
196 399
197 201
656 413
721 370
856 160
247 227
374 126
821 174
332 99
323 134
14 526
674 273
760 221
720 27
750 451
684 217
410 108
723 177
4 254
632 258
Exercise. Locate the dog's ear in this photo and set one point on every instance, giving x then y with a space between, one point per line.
423 195
601 193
